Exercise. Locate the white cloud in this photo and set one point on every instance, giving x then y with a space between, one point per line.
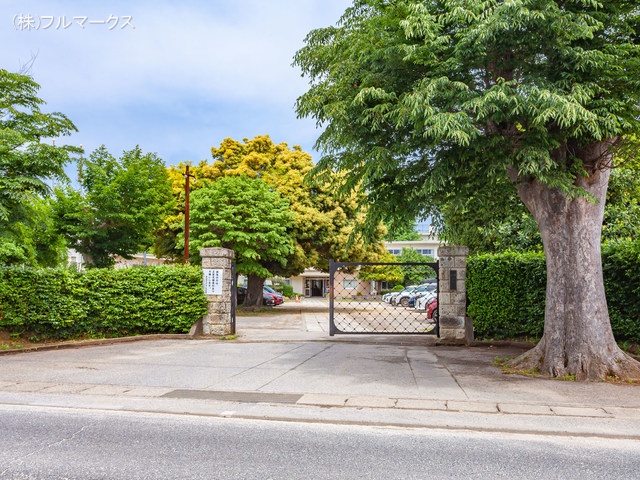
244 52
188 68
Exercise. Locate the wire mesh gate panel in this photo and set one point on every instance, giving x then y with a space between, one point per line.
357 304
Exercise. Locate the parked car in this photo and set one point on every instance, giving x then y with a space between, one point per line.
268 299
386 298
277 296
422 302
405 291
432 309
241 295
423 290
403 296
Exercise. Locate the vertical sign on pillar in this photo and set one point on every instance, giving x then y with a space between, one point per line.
218 286
212 281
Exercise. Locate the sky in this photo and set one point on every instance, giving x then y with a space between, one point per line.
174 77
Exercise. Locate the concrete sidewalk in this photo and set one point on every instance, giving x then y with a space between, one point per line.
286 367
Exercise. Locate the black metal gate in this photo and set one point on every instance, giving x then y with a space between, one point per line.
408 304
234 297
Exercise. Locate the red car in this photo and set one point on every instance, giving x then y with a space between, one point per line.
432 309
278 299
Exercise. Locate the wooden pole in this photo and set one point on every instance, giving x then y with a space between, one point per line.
186 215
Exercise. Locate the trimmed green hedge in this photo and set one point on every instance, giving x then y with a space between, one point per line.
284 289
506 292
100 302
621 269
42 301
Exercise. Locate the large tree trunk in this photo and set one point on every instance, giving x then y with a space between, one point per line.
577 338
254 291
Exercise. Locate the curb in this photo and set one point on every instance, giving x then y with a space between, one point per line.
97 342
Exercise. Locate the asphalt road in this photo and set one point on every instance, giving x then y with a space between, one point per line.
52 443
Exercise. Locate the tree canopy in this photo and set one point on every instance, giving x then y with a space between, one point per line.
423 100
322 223
31 237
427 102
386 271
29 163
244 215
119 207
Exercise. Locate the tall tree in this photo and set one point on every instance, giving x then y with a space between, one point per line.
403 231
386 271
120 206
29 158
322 223
414 274
424 99
244 215
622 211
30 238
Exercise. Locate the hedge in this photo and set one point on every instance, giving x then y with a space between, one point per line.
621 269
65 303
506 292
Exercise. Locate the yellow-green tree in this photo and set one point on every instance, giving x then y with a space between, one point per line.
322 223
245 215
387 271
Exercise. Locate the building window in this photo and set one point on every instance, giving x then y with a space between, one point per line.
426 251
349 283
394 251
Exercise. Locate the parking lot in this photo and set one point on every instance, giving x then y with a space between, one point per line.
376 316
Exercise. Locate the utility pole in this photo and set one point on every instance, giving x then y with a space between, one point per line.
80 165
186 214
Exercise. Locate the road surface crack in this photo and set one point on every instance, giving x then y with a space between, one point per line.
22 459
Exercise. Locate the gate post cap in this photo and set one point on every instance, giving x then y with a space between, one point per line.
452 251
217 252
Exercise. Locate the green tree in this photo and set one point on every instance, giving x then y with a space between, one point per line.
425 101
387 271
28 159
506 225
402 232
622 211
244 215
323 224
121 204
414 274
31 238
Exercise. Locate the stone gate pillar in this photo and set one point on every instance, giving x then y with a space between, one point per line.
455 327
217 281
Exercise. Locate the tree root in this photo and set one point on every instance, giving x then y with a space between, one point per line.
617 365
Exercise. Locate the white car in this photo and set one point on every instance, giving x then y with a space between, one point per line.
423 301
386 298
403 293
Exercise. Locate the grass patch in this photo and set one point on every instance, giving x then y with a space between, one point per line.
503 364
500 361
18 341
253 311
619 381
228 337
526 373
